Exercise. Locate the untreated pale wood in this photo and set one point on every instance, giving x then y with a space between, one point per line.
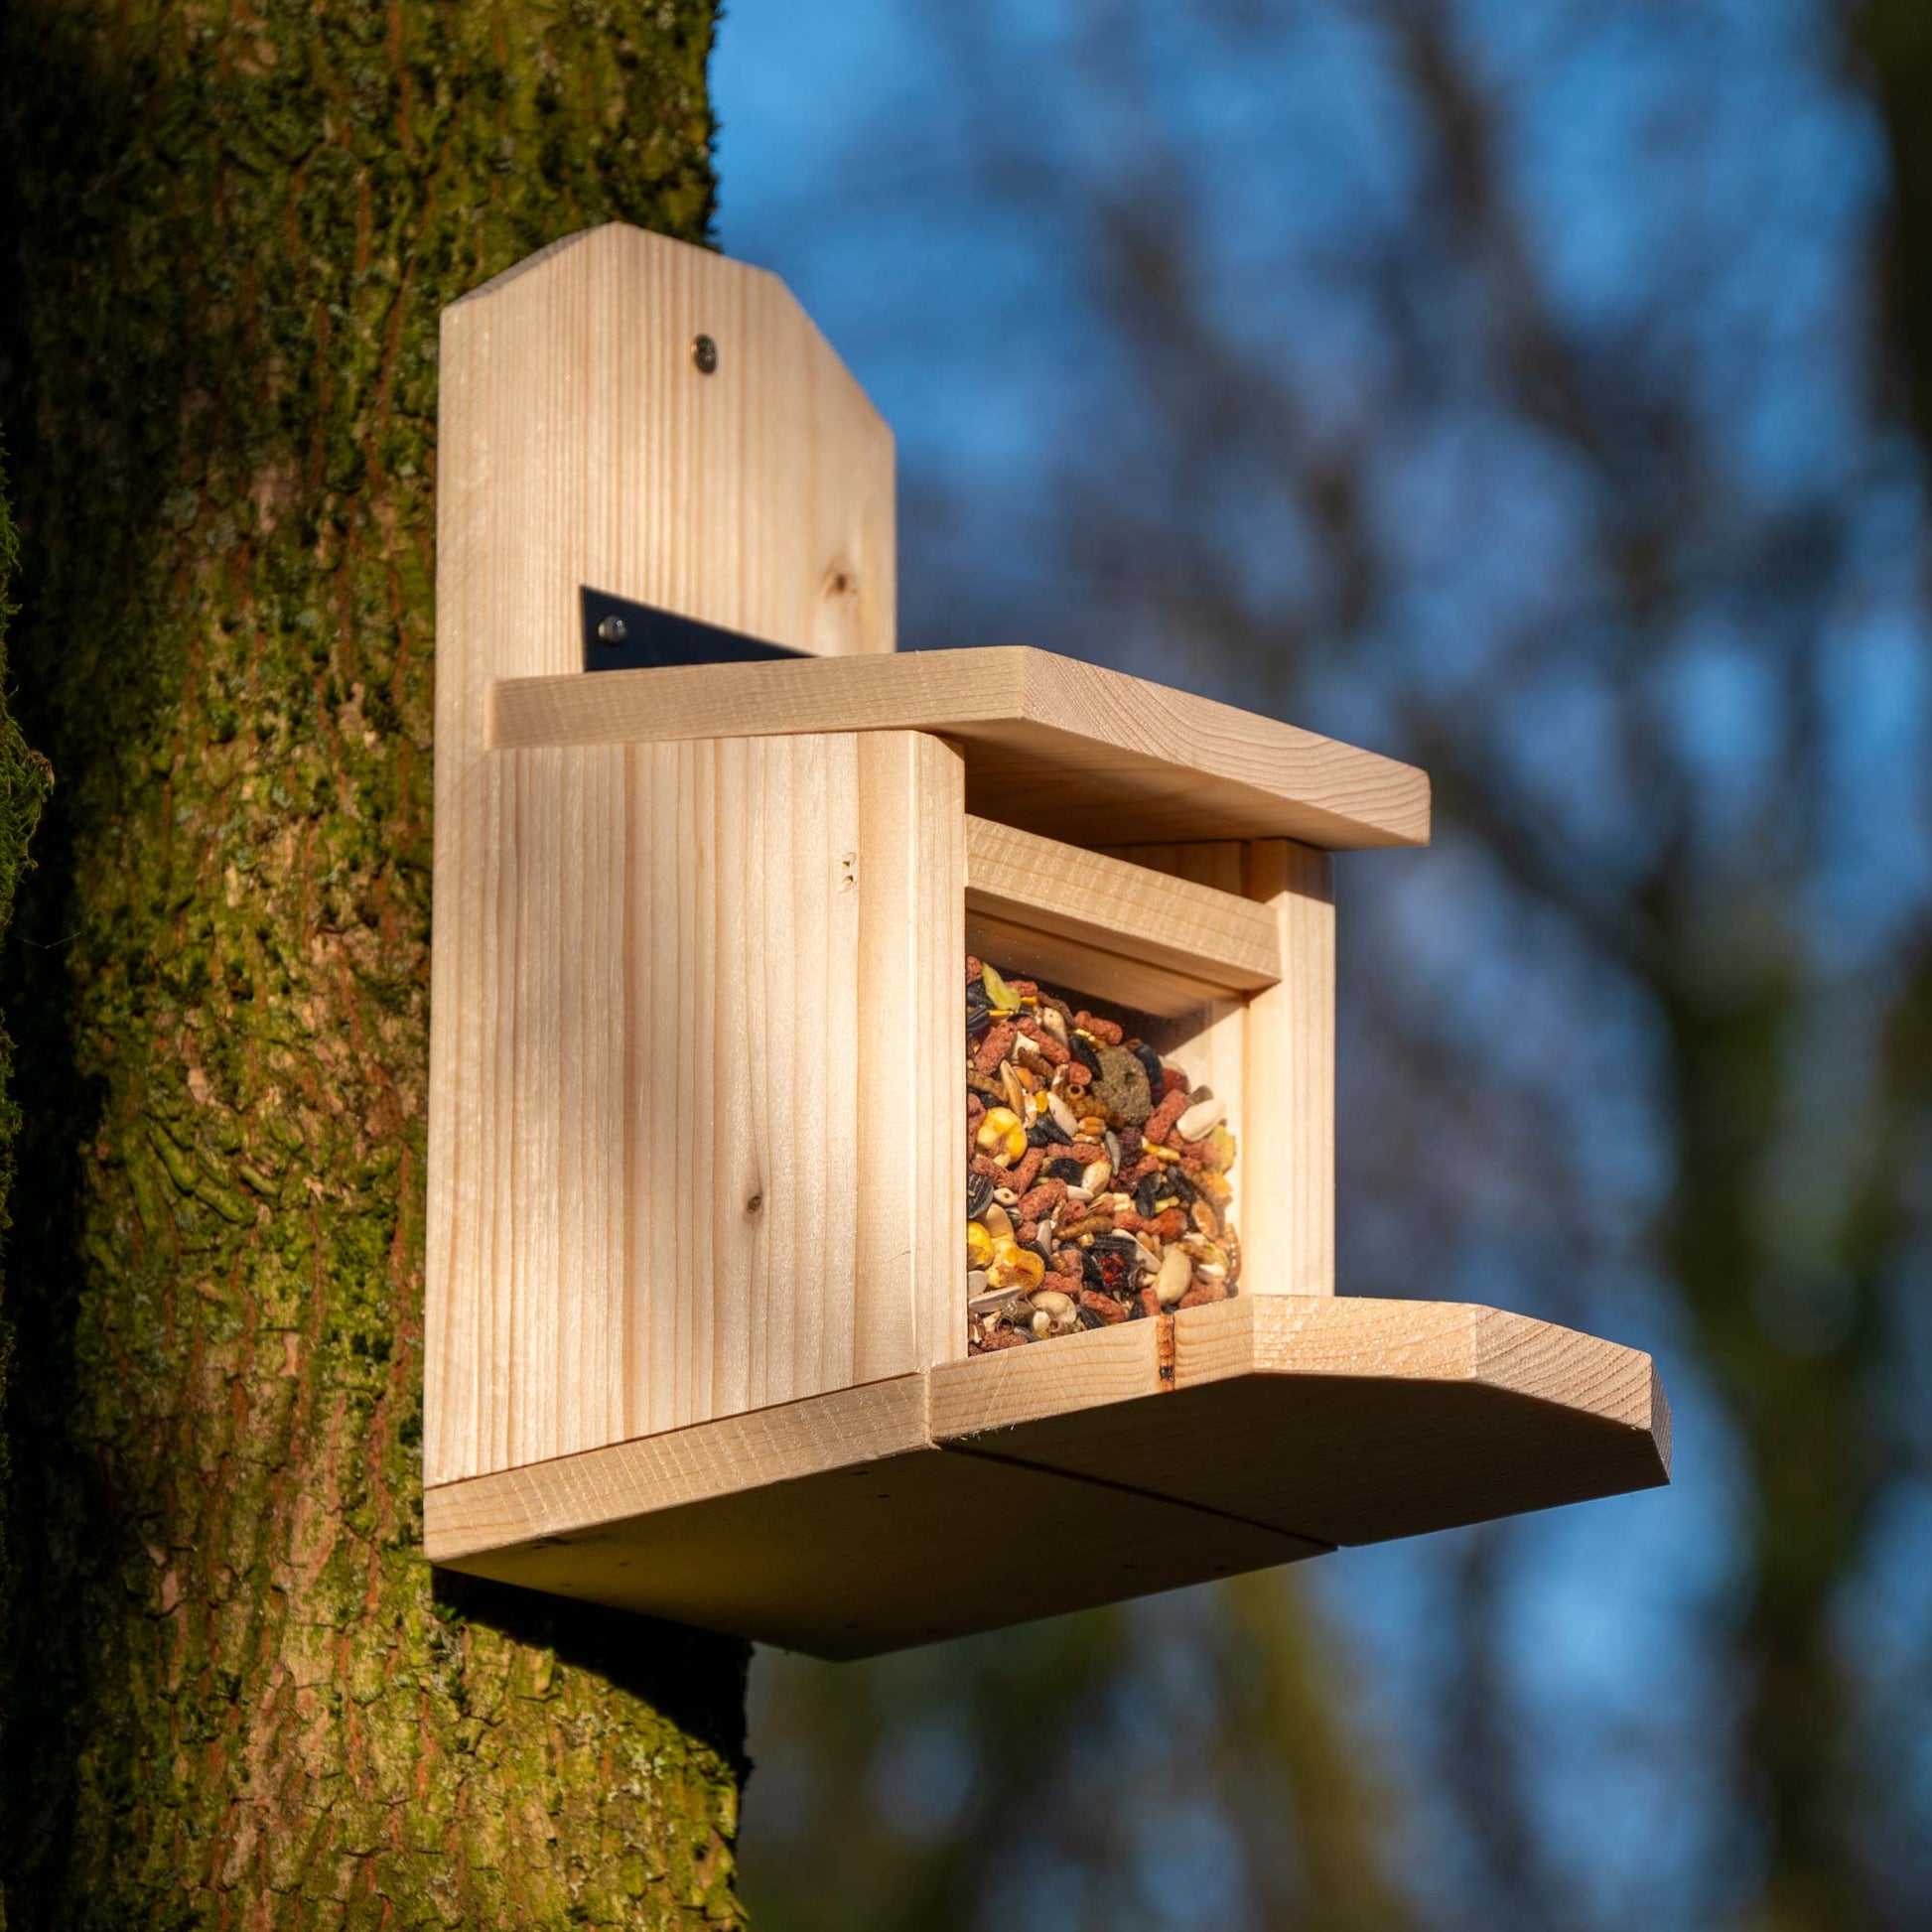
1074 1472
579 444
696 1223
1345 1419
911 1090
831 1525
1052 745
1409 1416
711 996
1104 976
543 1502
1290 1083
1283 1035
1090 1370
1210 940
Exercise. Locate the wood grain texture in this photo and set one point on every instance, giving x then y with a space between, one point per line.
1345 1419
1052 745
1472 1414
831 1525
1041 1479
570 1495
1108 978
1092 1369
579 444
1290 1226
710 998
1283 1035
1211 941
699 937
911 1092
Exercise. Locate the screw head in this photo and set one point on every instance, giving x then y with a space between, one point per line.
613 629
703 353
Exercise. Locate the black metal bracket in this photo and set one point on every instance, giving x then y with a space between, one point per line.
620 635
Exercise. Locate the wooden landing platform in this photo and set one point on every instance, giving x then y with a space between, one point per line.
1050 742
1074 1472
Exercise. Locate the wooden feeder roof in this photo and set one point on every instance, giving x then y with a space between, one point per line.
1045 738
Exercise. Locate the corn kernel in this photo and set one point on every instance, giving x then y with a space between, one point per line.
1015 1267
1001 1135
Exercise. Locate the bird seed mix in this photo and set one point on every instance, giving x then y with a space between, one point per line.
1096 1175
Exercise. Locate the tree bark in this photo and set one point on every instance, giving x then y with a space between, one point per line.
234 1692
23 789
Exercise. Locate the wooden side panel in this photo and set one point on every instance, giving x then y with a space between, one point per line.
713 997
911 1231
1290 1200
740 1027
555 1206
529 1197
579 444
1285 1042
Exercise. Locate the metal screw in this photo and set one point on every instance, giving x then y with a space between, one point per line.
703 353
612 631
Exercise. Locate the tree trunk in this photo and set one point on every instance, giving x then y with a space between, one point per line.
234 1692
23 788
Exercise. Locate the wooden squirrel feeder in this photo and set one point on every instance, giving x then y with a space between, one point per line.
695 1328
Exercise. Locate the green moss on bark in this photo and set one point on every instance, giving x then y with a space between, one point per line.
236 1695
23 780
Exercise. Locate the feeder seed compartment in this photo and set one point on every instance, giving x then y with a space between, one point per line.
717 1026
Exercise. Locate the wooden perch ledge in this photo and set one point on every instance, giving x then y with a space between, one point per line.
1074 1472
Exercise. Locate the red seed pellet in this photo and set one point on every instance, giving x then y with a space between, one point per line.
1040 1202
1161 1122
994 1048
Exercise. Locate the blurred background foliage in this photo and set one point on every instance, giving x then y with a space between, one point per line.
1539 393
